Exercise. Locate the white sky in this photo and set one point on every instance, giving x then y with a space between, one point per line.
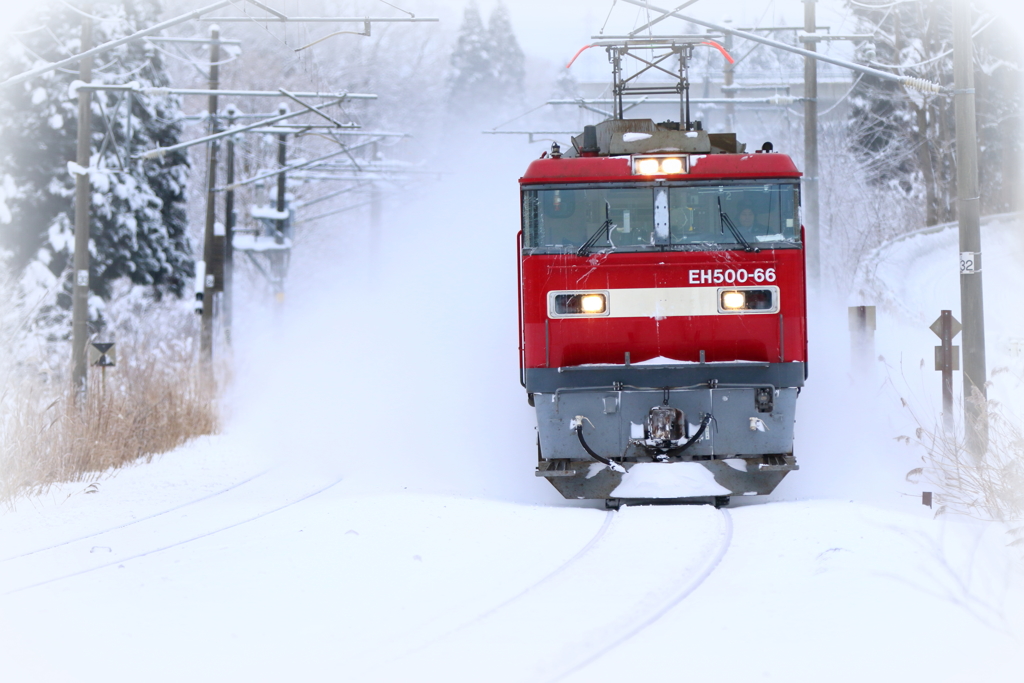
553 30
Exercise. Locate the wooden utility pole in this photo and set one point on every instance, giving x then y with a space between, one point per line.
812 224
280 256
210 251
968 213
376 215
80 285
282 161
229 231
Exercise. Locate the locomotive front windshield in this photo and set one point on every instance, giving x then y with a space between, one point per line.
661 217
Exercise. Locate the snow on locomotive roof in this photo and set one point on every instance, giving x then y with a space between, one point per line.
613 169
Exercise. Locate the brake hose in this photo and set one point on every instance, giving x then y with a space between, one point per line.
614 466
693 439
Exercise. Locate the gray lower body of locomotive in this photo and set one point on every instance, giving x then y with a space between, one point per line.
745 449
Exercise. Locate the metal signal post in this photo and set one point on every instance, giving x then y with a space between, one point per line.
947 360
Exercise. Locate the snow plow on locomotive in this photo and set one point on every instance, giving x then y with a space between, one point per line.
663 336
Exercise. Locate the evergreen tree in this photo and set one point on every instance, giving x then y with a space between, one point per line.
138 222
470 83
507 60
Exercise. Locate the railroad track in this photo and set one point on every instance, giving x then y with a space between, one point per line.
685 588
134 521
27 584
617 585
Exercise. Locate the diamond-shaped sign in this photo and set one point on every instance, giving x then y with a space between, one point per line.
103 355
954 327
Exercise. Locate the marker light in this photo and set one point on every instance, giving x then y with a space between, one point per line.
647 166
578 304
733 301
672 165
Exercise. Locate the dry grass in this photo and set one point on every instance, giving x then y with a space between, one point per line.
990 487
153 401
143 411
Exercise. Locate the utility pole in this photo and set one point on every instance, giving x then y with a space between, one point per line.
812 224
376 215
282 161
80 286
229 231
280 256
968 213
209 245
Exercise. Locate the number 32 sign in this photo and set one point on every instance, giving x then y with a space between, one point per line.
969 262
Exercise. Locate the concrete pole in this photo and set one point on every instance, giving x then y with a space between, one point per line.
229 232
209 245
811 221
968 213
80 285
727 80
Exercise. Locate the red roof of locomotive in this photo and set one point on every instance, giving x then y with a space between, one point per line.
611 169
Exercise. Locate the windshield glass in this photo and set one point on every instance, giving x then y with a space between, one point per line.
661 217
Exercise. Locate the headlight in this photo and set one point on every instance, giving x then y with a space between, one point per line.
748 299
565 304
647 166
733 301
659 165
592 303
672 165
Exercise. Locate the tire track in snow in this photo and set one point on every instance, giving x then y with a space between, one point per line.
134 521
687 587
176 544
633 572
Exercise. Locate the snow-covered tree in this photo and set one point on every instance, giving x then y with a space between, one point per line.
487 65
907 138
508 64
138 222
470 80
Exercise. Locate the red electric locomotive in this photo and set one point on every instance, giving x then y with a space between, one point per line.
663 334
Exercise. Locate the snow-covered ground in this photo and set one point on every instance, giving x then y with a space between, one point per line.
371 514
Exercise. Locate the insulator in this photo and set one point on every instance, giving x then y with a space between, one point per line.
921 84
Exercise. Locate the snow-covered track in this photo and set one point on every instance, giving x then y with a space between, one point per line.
609 518
643 562
27 583
135 521
686 587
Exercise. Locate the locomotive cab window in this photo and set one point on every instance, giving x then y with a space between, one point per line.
661 217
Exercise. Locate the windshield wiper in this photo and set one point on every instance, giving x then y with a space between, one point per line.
726 221
603 228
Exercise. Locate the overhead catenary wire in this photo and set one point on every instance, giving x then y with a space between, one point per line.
930 60
99 49
82 12
917 83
